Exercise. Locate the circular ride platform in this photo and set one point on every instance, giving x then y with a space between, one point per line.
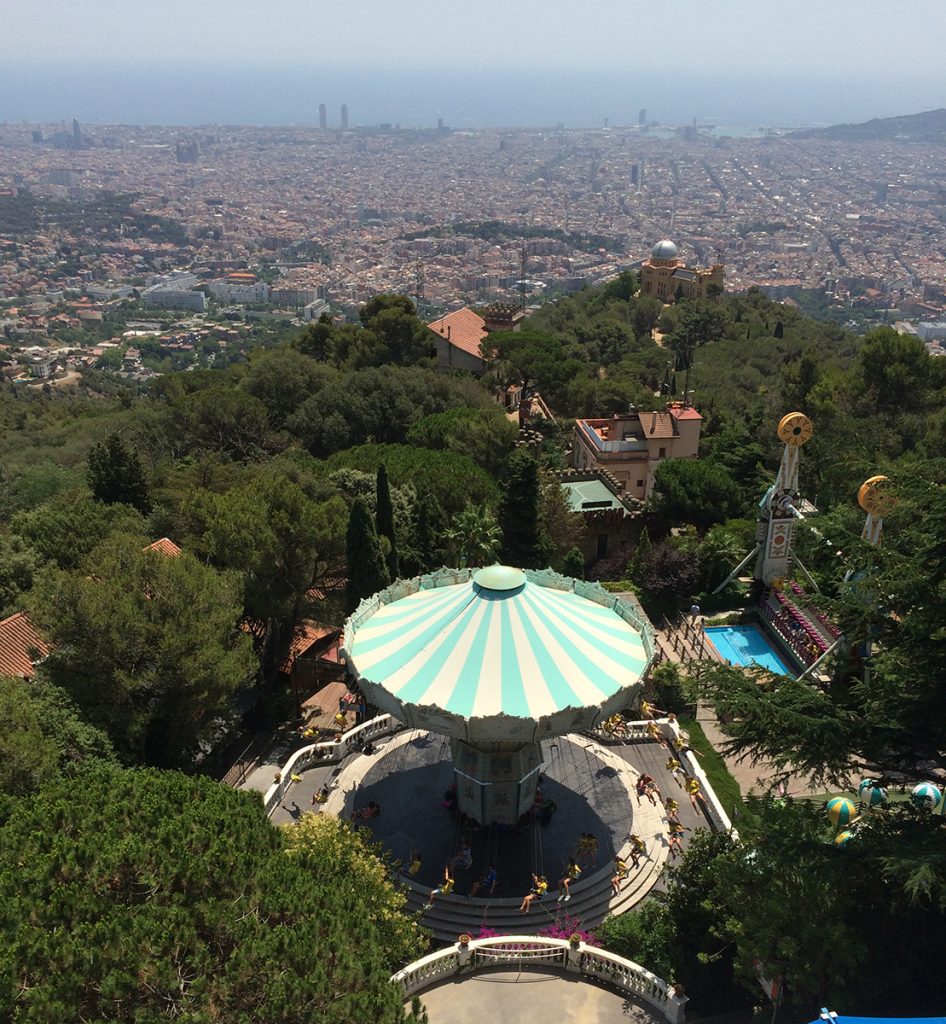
410 778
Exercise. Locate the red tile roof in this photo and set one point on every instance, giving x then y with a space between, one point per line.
462 329
685 414
306 635
165 546
658 424
18 637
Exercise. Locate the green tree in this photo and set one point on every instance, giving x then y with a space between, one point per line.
896 369
367 572
474 538
281 542
116 476
147 646
41 734
487 436
573 564
693 491
18 563
698 323
282 379
384 517
177 900
402 338
67 529
453 479
525 543
564 528
666 574
719 552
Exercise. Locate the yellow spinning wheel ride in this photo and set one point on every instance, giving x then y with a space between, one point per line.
794 429
875 496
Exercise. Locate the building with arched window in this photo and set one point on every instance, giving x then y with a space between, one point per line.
666 277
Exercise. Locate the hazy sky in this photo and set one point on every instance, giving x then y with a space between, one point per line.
893 51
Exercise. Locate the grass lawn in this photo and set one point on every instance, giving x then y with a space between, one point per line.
724 785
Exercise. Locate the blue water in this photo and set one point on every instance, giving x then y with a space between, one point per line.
746 645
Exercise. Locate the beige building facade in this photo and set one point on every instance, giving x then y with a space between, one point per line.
631 447
665 276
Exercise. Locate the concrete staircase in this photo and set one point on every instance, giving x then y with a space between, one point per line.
591 898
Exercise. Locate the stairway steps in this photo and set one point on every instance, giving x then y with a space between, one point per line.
590 902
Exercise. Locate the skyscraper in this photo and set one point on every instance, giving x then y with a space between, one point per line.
323 116
642 117
76 134
344 115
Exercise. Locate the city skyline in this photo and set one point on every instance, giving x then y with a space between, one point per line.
494 65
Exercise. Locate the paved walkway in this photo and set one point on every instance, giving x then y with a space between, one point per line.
540 996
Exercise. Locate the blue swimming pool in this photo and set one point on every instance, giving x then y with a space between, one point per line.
748 645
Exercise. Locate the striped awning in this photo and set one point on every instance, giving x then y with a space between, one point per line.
527 652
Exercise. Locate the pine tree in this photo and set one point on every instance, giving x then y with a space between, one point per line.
115 475
367 572
384 517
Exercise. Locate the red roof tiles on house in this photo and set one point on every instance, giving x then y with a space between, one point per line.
306 635
165 546
462 329
18 638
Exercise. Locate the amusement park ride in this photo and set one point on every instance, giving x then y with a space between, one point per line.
775 559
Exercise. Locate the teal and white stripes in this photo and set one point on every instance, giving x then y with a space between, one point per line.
526 653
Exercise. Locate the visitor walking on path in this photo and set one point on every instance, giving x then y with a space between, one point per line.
445 887
540 887
694 793
572 874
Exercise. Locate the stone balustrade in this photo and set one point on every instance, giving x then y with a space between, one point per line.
527 951
330 752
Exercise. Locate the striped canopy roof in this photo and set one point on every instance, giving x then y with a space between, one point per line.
528 650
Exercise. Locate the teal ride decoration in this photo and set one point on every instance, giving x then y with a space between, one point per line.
926 796
872 793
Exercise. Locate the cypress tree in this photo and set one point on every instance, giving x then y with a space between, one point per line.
384 517
367 572
525 542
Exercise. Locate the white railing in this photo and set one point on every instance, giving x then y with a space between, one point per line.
330 752
525 951
636 732
714 809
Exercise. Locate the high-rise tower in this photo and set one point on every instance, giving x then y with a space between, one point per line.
344 115
323 116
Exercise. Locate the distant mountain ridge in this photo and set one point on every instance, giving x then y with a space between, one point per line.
928 126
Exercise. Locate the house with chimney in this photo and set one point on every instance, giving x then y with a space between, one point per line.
629 447
460 334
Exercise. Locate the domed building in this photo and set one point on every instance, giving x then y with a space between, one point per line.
666 277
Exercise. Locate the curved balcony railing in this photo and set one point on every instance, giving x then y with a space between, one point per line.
526 951
330 752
